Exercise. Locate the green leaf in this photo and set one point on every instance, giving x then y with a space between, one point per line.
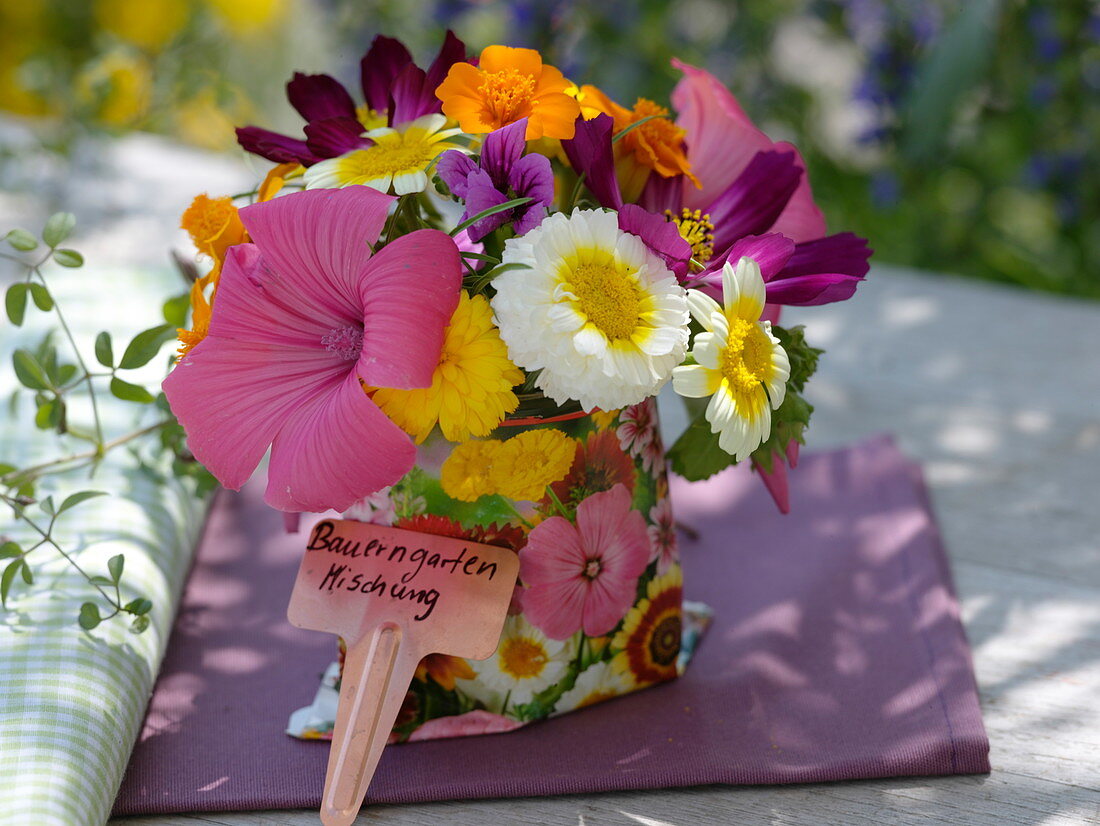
15 302
789 422
68 258
485 213
29 371
102 580
802 356
696 454
48 415
139 606
104 352
42 298
47 506
175 310
7 578
139 624
89 616
21 240
65 374
75 499
58 228
28 574
145 345
129 392
115 565
9 549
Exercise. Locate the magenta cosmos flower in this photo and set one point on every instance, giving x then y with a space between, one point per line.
304 317
584 576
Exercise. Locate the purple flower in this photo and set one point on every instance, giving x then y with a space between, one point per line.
391 82
503 174
737 223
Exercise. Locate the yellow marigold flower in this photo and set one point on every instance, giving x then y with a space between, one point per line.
117 87
655 146
150 24
527 463
471 389
603 419
465 474
508 85
214 225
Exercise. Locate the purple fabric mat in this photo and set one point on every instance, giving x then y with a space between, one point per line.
836 653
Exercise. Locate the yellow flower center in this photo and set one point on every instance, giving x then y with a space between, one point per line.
697 229
746 360
608 295
370 118
664 642
522 657
507 93
392 154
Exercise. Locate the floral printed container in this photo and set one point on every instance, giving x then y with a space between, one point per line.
583 499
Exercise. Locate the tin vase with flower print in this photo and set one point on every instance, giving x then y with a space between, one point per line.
583 499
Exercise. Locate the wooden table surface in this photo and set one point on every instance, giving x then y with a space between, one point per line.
997 392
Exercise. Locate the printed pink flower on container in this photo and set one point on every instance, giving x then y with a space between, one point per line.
304 317
637 432
584 576
662 535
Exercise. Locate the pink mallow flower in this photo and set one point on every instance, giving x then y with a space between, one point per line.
305 316
585 576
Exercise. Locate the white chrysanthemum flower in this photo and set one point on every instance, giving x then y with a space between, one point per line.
400 158
525 663
595 684
739 363
599 314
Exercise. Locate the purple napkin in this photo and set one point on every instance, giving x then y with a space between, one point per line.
836 653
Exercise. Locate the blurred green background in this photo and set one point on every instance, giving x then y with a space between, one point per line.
958 137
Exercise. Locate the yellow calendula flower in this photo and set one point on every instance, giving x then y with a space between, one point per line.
603 419
471 389
399 159
247 17
465 473
525 464
117 87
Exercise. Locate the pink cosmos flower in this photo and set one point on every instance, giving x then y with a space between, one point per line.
662 535
584 575
723 141
637 431
303 317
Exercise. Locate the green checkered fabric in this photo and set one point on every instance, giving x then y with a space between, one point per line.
71 701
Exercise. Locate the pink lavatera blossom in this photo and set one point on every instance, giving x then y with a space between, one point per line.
304 317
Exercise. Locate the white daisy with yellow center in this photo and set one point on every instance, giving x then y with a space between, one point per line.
525 663
400 158
595 684
595 311
739 363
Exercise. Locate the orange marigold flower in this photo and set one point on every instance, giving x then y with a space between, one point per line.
214 225
276 179
655 146
200 315
507 85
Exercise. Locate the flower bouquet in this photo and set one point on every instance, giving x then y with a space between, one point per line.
448 308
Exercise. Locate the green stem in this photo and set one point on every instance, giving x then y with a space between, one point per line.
83 366
26 474
48 538
557 502
519 515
